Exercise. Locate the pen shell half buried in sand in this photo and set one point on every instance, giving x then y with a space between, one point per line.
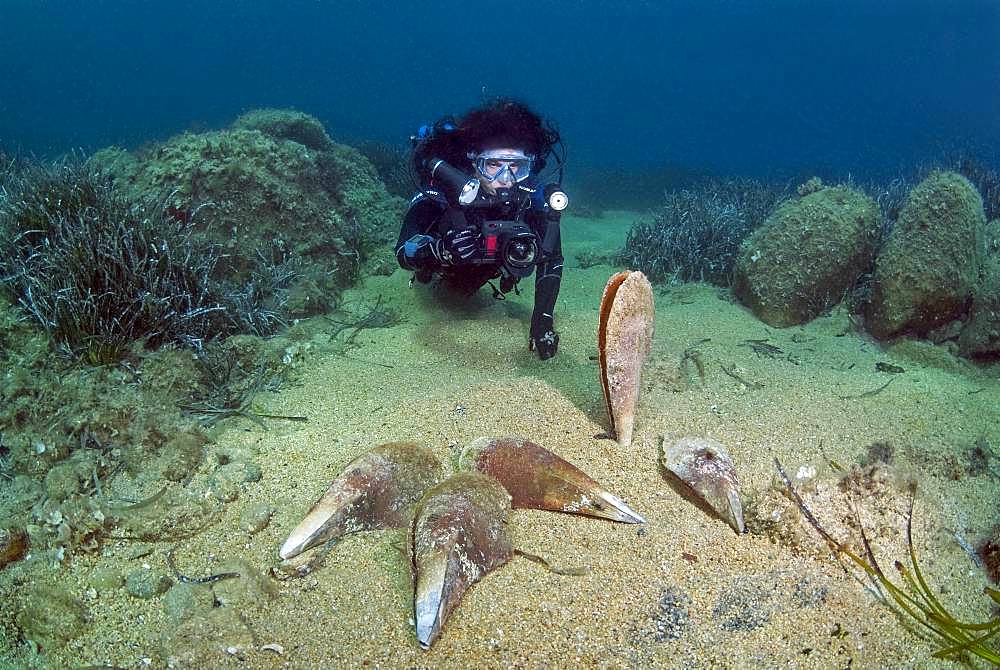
705 467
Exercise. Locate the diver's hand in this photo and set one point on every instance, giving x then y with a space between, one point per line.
457 246
545 344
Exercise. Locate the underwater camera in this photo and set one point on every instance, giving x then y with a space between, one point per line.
510 244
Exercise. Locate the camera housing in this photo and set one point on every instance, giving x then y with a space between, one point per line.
509 244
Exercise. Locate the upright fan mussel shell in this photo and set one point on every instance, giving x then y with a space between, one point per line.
624 339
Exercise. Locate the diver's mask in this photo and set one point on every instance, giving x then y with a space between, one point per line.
504 165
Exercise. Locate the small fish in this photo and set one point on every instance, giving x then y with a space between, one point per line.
889 367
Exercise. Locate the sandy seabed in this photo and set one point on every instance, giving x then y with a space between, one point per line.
681 591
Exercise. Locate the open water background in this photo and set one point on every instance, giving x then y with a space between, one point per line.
765 88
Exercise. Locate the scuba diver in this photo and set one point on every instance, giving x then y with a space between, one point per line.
483 212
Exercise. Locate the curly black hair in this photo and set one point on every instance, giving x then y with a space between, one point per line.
498 122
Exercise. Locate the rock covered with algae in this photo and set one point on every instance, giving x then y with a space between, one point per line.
283 196
980 336
807 254
929 269
458 536
51 616
287 124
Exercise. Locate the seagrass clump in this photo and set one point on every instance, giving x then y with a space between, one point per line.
100 271
913 598
695 234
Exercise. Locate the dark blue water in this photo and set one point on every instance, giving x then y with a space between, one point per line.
761 88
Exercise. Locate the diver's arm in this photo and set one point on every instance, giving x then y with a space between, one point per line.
548 277
416 243
421 249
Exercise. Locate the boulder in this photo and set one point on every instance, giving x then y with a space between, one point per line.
807 254
993 237
926 274
980 338
297 216
287 124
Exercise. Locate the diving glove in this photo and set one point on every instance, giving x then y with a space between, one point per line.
545 344
457 246
426 251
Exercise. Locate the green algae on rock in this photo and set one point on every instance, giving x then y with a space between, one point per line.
926 274
286 124
145 583
992 237
185 601
255 518
227 481
205 639
171 513
807 255
282 201
50 617
105 577
980 337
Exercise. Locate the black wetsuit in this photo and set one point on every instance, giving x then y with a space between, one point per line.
430 214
